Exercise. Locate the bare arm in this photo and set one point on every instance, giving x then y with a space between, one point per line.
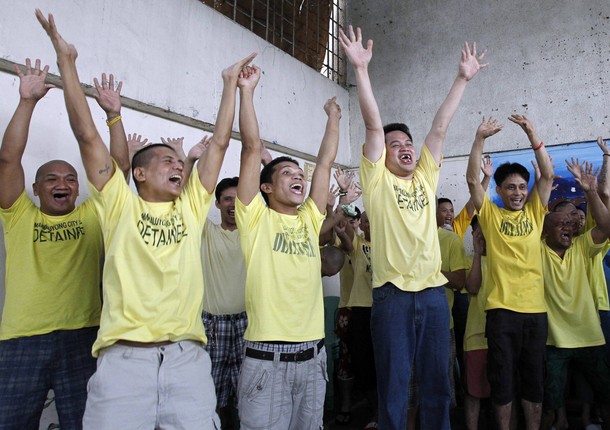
210 166
474 279
31 89
109 99
456 279
545 183
346 235
96 157
359 57
326 155
486 129
470 64
587 179
488 170
249 167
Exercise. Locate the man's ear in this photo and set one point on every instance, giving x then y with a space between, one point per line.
266 188
35 188
139 174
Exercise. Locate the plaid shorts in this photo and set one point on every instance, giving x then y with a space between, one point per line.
31 365
226 344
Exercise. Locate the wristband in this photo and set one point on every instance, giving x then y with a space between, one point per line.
606 155
113 121
342 193
536 148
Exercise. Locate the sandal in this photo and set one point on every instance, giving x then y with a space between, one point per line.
343 418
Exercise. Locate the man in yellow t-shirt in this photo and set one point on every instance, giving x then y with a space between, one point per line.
153 370
409 317
575 334
283 376
516 323
52 282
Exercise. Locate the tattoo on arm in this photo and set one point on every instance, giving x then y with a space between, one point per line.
105 170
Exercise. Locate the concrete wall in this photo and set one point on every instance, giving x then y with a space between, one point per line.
549 60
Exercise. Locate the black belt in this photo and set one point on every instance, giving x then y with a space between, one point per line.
304 355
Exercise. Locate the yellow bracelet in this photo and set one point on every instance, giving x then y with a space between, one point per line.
114 120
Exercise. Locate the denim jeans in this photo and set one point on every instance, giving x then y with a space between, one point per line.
410 327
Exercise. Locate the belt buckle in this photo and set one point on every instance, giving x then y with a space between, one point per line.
301 355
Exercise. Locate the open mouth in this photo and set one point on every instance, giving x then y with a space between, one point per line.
175 179
297 188
231 212
61 197
405 157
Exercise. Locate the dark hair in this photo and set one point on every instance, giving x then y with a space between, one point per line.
562 204
332 260
269 170
397 126
143 156
507 169
443 200
225 184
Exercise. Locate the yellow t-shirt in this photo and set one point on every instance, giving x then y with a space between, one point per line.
224 271
513 256
402 215
53 269
595 272
573 319
153 282
461 222
474 335
283 271
453 258
362 289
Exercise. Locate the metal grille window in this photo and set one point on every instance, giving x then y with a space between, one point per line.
306 29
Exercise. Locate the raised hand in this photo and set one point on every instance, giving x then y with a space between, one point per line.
249 77
332 108
470 63
31 81
603 145
523 122
344 180
108 96
488 128
583 174
232 73
199 148
177 144
358 55
135 143
353 193
62 48
478 242
332 196
487 168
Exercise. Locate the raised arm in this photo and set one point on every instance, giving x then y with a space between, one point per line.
31 89
587 179
470 64
96 157
474 279
359 57
251 145
488 170
326 155
109 98
603 186
210 165
545 183
486 129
